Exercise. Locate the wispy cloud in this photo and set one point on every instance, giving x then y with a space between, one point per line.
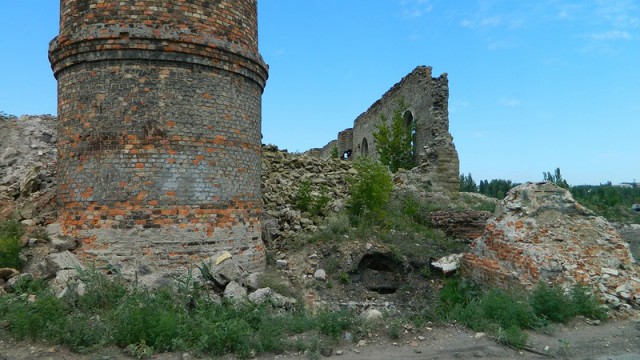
623 14
482 22
415 8
479 134
509 102
611 35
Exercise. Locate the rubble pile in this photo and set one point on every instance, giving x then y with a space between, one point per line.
283 173
460 224
540 233
27 168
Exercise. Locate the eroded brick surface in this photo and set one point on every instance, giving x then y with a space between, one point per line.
159 130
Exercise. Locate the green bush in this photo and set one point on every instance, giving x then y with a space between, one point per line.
335 153
334 323
34 319
370 191
585 303
505 315
10 233
551 303
306 201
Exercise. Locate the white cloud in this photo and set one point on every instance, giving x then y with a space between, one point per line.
611 35
482 22
415 8
508 102
619 13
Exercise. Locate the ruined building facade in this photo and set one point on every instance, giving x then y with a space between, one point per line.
159 107
426 102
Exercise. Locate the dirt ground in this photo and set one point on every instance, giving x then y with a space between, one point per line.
617 339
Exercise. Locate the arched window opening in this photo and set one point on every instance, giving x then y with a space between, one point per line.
410 125
364 149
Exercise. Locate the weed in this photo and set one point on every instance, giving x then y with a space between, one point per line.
140 351
551 303
506 314
10 233
344 278
513 336
334 323
145 321
30 285
563 348
331 264
334 229
585 303
394 329
307 201
273 281
425 272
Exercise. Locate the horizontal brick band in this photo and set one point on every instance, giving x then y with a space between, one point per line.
119 45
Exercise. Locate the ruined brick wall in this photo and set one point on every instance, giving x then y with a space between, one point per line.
426 101
159 107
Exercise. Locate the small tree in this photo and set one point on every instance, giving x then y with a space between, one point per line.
556 178
395 141
370 190
467 184
335 154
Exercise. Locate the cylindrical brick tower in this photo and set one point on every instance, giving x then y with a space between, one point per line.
159 123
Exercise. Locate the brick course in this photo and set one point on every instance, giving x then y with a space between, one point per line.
159 107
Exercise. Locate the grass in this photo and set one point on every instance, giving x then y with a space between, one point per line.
146 322
10 233
507 314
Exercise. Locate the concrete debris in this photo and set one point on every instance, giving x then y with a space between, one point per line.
320 274
260 296
448 264
235 292
371 315
224 272
540 233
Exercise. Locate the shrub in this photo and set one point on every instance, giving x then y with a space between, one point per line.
550 303
370 190
37 319
335 153
334 323
586 304
506 314
306 201
10 233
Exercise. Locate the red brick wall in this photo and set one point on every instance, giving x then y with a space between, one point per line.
159 110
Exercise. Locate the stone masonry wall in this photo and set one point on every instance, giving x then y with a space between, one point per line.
159 130
426 103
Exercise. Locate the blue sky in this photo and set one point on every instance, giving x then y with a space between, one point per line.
534 85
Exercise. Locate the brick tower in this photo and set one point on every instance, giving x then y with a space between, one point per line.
159 107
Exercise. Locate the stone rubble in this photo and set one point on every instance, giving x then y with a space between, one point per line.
282 175
27 168
540 233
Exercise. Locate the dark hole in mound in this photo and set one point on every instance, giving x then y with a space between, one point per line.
380 273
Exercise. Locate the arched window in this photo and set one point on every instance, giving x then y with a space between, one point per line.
410 125
364 149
